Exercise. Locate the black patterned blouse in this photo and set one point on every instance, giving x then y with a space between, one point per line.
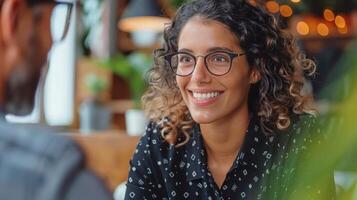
264 167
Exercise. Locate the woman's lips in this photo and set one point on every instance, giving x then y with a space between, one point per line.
204 98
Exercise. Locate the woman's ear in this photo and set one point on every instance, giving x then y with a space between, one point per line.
254 76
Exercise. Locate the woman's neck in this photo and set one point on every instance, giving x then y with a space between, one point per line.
224 139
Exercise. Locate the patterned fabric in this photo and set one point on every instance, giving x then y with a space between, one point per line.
263 169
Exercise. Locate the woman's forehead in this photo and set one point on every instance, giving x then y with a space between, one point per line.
205 33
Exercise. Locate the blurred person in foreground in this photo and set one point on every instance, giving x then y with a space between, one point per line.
230 118
34 164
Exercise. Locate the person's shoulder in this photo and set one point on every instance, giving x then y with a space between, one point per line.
153 130
38 140
152 144
314 127
305 133
29 154
308 120
298 152
152 136
153 157
304 129
304 124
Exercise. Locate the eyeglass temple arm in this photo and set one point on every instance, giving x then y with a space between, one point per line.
68 16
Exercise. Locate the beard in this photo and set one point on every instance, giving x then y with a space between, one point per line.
20 90
23 80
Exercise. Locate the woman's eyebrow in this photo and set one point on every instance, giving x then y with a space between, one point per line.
213 49
185 50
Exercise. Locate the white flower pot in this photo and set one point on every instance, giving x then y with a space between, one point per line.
135 122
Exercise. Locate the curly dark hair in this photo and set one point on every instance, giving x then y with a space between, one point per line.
269 49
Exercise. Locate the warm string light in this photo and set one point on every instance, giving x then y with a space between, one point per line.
272 6
322 29
286 11
343 30
329 15
340 22
302 28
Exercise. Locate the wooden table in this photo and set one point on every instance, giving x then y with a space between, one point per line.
108 154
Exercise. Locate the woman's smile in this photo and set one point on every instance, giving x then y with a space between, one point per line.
204 97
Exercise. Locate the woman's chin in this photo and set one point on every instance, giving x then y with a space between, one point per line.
203 117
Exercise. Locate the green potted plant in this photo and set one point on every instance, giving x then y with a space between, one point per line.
132 68
94 115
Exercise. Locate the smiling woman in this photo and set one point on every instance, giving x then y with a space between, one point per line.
268 50
227 107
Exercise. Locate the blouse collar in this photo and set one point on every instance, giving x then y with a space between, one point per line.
255 153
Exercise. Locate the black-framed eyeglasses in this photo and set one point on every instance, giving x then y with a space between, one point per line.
60 17
217 63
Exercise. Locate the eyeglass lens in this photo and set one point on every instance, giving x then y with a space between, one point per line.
217 63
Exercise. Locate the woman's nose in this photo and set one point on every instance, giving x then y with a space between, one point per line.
200 72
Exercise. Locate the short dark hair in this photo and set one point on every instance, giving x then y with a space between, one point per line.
31 2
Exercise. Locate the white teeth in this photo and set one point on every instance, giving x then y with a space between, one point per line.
204 96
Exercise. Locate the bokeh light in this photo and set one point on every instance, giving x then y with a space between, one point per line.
286 11
329 15
322 29
272 6
302 28
295 1
340 21
343 30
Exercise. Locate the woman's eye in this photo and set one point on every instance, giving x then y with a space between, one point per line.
185 59
219 58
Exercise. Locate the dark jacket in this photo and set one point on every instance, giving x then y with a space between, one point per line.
36 164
